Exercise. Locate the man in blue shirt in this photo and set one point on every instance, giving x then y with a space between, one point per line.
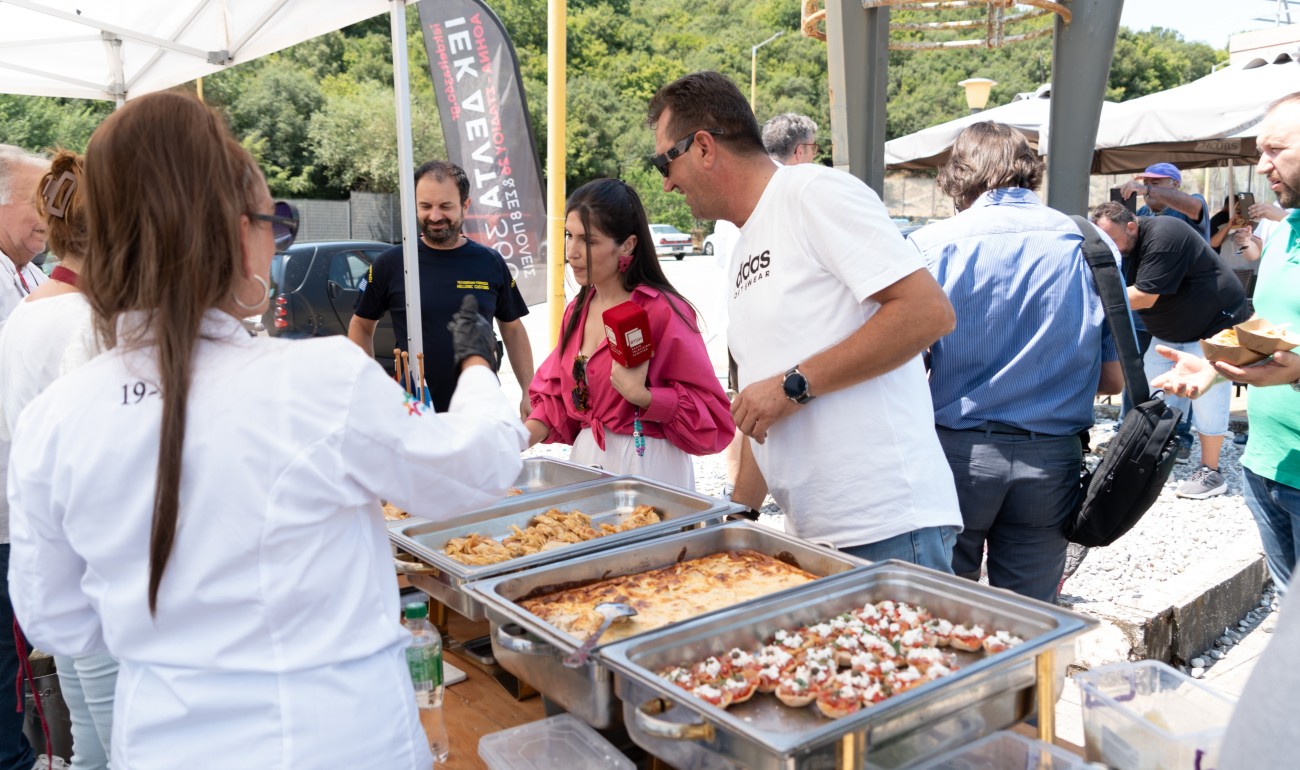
1159 187
1013 385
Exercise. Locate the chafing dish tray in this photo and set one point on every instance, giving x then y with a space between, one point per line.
606 501
539 474
533 649
542 474
988 693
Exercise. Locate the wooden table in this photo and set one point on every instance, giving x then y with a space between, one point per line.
479 705
476 707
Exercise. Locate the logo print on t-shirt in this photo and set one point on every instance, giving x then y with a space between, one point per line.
753 270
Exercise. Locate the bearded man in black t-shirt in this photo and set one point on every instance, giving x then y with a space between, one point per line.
451 266
1184 293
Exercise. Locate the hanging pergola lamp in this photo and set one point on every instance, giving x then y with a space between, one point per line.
995 18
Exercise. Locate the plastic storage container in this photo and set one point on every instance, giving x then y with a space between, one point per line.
558 743
1003 750
1149 716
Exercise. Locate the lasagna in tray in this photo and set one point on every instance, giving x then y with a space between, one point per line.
669 594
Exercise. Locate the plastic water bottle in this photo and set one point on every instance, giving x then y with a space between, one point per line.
424 657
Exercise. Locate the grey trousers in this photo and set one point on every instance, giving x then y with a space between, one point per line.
1015 492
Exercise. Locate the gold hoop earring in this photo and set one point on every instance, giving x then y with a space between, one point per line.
266 294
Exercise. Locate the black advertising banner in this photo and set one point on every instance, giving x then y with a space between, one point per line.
485 123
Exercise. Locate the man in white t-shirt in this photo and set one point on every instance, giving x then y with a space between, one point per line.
22 231
829 311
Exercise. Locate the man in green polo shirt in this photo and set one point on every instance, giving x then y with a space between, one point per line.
1272 460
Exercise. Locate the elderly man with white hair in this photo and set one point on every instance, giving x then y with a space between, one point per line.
22 232
791 138
22 237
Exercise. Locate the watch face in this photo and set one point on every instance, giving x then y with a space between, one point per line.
795 385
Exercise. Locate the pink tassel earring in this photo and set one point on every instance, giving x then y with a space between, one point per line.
624 262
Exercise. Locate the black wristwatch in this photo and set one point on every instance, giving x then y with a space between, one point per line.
795 386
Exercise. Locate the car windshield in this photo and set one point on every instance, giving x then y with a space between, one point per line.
666 230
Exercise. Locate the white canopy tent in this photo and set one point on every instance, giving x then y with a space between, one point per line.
119 49
929 148
116 49
1209 122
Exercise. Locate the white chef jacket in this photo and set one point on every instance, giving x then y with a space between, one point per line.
276 642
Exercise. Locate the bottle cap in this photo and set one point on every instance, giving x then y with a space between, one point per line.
416 610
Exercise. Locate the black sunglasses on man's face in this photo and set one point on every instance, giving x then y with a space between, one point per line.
662 160
284 223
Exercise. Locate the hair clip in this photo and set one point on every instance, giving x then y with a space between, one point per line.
57 195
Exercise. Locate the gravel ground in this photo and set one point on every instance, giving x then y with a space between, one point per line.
1175 535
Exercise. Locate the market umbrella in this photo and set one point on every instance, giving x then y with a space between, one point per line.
1209 122
929 148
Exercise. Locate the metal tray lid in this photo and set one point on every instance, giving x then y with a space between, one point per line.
425 539
1043 626
542 474
538 475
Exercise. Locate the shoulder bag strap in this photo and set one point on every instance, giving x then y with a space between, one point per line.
1110 286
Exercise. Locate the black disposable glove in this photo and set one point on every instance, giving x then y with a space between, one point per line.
471 335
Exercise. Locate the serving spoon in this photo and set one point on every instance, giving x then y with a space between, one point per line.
612 612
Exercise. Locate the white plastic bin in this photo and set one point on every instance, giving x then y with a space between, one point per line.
1149 716
1004 750
558 743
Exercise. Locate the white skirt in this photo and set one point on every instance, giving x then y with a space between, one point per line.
662 461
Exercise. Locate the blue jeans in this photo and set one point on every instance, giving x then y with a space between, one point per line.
1276 508
15 751
1015 492
927 547
88 683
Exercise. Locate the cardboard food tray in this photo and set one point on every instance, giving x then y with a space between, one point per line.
1248 334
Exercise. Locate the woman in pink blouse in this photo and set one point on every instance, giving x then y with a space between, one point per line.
647 420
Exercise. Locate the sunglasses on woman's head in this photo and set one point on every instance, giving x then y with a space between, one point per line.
284 223
580 393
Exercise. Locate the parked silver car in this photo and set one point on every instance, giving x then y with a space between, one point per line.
670 240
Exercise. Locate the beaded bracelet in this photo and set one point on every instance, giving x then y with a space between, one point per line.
638 438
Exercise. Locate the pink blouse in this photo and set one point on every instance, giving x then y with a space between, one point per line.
687 405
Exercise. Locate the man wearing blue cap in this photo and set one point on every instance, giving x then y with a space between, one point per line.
1159 187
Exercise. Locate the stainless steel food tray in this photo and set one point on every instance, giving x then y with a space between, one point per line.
539 474
542 474
606 501
533 649
985 695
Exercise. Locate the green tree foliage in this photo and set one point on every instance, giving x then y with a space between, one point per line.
43 124
320 117
271 116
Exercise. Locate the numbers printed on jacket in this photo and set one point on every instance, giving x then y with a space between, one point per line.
136 392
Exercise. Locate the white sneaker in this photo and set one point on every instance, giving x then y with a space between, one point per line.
1204 482
47 762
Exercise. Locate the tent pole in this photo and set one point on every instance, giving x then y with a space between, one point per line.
406 179
1081 56
556 118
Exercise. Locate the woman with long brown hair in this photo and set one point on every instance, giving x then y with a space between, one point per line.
649 419
204 504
